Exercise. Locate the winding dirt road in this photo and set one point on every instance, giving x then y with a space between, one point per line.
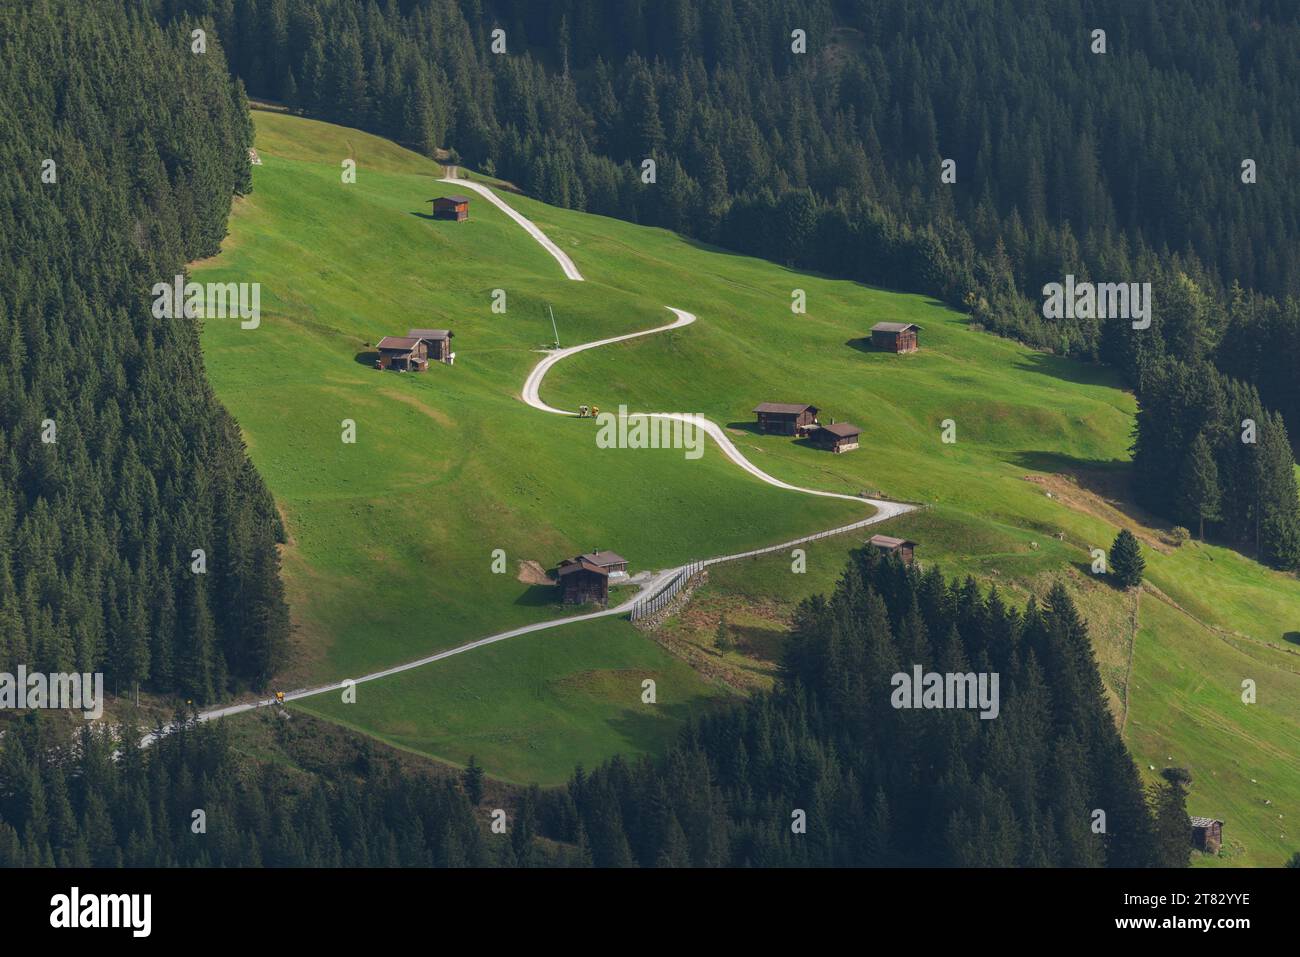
883 509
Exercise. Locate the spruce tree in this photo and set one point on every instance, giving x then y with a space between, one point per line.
1126 561
1200 484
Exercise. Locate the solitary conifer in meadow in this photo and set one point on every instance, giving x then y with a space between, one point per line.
722 637
1126 560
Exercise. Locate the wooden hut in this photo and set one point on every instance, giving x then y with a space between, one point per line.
888 545
583 582
1207 834
836 437
584 579
403 353
785 418
451 207
437 342
894 336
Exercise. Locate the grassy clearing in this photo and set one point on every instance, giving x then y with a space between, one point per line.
532 707
392 536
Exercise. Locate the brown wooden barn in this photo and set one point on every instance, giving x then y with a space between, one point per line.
888 545
894 336
583 582
403 353
1207 834
584 579
437 342
785 418
836 437
451 207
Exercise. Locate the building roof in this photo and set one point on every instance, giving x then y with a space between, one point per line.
894 326
450 199
580 563
889 541
1205 821
399 343
784 408
604 558
842 429
430 333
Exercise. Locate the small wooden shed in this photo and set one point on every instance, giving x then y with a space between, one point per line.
403 353
785 418
437 342
888 545
836 437
894 336
583 582
451 207
1207 834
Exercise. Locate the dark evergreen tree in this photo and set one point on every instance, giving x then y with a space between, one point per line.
1201 495
1126 561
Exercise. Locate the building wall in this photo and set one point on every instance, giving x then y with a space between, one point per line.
776 424
581 588
895 341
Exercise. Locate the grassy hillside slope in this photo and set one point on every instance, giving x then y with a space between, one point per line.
392 536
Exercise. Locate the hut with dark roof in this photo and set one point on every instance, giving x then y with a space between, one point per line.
584 579
437 342
888 545
403 353
836 437
895 336
451 207
785 418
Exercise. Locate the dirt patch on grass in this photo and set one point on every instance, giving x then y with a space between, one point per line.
532 573
756 631
1102 501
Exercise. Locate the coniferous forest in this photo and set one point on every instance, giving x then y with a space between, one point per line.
116 462
877 785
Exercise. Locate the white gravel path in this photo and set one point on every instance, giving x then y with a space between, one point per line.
884 509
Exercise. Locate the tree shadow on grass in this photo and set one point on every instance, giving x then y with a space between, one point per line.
1071 370
765 644
1104 477
651 727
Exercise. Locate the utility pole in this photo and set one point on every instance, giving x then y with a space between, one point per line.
553 328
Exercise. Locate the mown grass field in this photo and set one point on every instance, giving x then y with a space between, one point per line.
392 536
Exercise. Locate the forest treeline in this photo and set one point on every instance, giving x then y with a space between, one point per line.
885 786
1123 166
122 151
877 785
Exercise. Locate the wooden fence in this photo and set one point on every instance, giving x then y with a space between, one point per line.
649 605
